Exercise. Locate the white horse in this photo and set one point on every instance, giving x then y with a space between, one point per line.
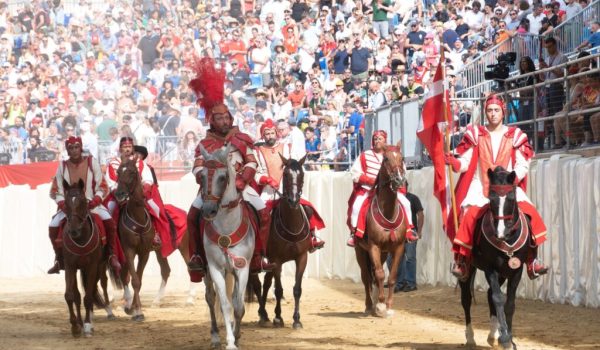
228 242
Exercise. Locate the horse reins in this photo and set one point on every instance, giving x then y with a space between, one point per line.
503 190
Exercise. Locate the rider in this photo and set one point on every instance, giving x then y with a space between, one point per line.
79 167
209 87
175 216
268 176
158 220
364 174
483 148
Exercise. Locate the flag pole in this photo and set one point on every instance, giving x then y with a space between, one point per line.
448 127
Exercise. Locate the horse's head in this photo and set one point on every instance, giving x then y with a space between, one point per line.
76 208
392 168
293 180
128 178
503 201
216 174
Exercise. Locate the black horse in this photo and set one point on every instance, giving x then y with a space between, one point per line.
500 247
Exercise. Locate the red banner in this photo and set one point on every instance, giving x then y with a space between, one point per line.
33 174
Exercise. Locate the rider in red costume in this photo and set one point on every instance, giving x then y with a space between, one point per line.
156 212
87 169
209 86
364 174
483 148
269 175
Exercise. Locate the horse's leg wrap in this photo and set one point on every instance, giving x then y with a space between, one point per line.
111 233
58 259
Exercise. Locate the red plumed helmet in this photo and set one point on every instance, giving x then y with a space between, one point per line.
209 84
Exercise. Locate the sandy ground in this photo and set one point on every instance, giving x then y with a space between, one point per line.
33 315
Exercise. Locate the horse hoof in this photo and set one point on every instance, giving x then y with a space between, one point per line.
76 331
138 318
231 347
278 323
111 317
128 311
215 345
263 322
190 302
507 346
389 313
491 340
380 309
298 325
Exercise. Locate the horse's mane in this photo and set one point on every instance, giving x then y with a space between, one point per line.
294 165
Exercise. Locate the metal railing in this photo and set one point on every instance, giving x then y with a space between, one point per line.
568 34
401 121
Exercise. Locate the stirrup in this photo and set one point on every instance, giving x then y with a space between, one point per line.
315 244
196 264
459 270
535 269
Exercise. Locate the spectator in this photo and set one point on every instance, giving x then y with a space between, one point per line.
406 280
360 60
555 94
594 39
526 100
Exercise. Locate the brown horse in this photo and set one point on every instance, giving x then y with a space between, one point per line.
83 251
135 230
289 240
385 233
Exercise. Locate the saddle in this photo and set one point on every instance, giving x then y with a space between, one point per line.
231 239
284 233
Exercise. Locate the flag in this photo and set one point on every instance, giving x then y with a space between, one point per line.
432 138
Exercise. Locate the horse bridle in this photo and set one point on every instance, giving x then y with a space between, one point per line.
397 168
212 165
131 186
76 215
503 190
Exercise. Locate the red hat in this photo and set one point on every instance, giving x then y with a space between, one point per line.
73 140
494 100
268 124
378 133
209 85
125 140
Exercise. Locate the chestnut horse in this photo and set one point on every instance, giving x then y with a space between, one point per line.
135 230
289 240
385 232
83 251
500 248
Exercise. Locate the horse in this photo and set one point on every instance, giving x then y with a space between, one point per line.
385 232
289 240
228 242
135 231
499 250
82 250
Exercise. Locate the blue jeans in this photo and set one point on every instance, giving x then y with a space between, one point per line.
407 271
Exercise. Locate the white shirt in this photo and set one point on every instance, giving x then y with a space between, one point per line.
535 23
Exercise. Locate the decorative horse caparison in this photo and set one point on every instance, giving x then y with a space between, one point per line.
135 230
228 238
501 246
289 240
82 250
385 233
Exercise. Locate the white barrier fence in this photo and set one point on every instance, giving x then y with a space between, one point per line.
566 191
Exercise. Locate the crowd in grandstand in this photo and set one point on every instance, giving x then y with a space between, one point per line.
106 69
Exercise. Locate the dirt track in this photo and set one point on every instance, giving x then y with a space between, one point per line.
33 315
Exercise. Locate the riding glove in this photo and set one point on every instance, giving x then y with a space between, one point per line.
96 201
453 162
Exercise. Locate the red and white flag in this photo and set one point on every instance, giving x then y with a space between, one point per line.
433 139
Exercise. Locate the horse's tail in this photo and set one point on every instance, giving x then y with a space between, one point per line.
172 230
115 279
99 301
253 288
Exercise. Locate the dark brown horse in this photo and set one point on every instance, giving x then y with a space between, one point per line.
83 251
500 248
385 232
135 230
289 240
